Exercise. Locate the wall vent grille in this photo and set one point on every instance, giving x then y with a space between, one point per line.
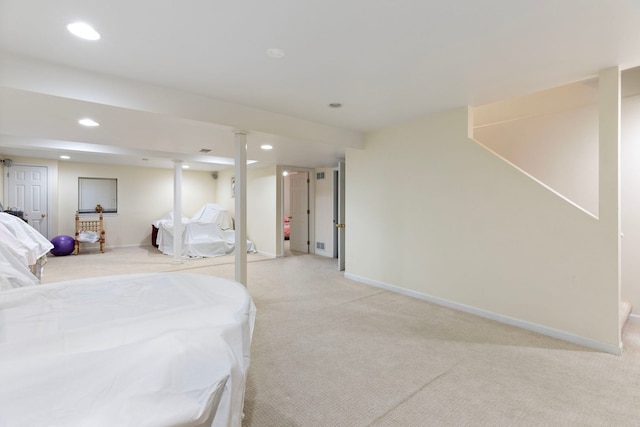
320 245
320 175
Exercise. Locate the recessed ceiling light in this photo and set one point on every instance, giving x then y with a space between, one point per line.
185 166
63 157
275 53
335 105
83 30
285 173
88 122
266 147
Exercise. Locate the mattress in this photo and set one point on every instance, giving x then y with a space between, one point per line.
168 349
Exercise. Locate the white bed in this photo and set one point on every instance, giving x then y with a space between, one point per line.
168 349
23 252
208 233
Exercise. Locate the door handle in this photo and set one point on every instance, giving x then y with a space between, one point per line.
339 225
43 215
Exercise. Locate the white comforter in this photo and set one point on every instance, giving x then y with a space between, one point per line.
209 233
21 247
166 349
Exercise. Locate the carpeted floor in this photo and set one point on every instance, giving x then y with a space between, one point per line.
127 260
328 351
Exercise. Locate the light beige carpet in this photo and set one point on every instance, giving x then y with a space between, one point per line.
331 352
127 260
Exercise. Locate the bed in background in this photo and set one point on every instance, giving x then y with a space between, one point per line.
167 349
208 233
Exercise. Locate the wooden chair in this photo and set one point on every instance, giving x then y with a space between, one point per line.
89 225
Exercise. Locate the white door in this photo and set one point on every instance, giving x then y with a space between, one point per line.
341 216
27 192
299 208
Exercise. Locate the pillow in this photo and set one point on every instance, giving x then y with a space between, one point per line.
88 236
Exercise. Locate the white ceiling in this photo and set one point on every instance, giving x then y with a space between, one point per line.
386 61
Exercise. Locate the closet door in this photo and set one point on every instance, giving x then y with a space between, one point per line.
28 191
299 208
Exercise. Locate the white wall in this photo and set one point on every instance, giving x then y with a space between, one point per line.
559 148
630 159
265 195
324 212
261 209
2 174
223 190
286 195
449 219
144 195
261 205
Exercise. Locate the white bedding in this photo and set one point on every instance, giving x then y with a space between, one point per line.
13 272
208 233
22 253
167 349
24 240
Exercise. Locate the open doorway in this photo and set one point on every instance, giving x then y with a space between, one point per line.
298 202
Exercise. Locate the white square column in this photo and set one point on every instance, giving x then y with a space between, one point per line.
241 206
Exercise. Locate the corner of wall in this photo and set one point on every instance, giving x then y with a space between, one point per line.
474 231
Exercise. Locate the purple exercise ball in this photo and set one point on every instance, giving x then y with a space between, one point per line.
62 245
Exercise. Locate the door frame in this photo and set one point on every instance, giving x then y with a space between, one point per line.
340 199
335 211
52 190
312 206
299 212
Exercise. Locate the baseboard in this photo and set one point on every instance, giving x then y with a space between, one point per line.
267 254
149 245
533 327
634 318
324 253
